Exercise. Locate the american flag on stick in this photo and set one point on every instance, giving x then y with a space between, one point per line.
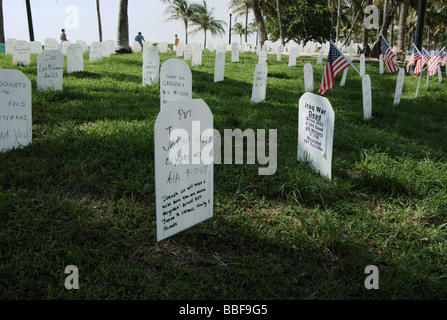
421 62
336 63
414 57
433 63
444 60
388 57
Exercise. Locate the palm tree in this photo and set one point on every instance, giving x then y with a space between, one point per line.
262 32
204 20
99 20
242 7
239 29
2 29
402 27
180 10
122 37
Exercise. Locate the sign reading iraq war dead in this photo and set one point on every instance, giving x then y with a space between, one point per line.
184 158
316 132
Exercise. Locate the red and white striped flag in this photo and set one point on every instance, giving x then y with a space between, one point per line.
433 63
421 62
336 63
388 57
444 60
415 56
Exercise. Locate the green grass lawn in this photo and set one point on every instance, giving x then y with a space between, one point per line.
84 192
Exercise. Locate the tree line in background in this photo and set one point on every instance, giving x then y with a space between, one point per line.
301 20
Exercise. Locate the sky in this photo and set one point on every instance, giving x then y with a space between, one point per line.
79 19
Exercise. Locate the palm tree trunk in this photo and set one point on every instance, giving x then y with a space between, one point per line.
2 28
338 21
281 31
122 40
402 27
99 20
246 24
331 6
186 31
262 32
204 42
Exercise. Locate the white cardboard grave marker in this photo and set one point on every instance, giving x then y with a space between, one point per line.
105 49
263 56
187 55
163 46
399 86
21 53
316 132
51 44
175 81
367 97
439 74
75 58
343 79
320 56
151 67
279 52
308 78
64 47
362 64
95 51
381 64
136 46
9 45
35 47
235 52
180 49
196 56
15 110
50 70
83 45
292 56
259 83
184 179
219 66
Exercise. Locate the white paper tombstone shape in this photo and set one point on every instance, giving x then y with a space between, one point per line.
136 46
219 66
9 45
187 54
163 47
151 67
35 47
279 52
381 64
21 53
259 83
316 132
362 64
263 56
150 48
51 44
64 47
343 78
308 78
184 177
83 45
95 51
196 56
105 49
292 56
235 52
180 49
399 86
439 74
50 70
75 58
320 56
111 44
367 97
15 110
175 81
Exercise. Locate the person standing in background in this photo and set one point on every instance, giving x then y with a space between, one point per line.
140 39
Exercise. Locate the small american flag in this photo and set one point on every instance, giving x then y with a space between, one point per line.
388 57
444 60
433 63
415 56
421 62
336 63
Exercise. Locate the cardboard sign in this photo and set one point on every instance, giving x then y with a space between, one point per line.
175 81
235 52
343 79
196 56
367 97
381 64
35 47
399 86
151 67
292 56
316 133
187 55
320 56
64 47
9 45
362 64
308 77
184 177
50 70
95 51
136 46
259 83
15 110
83 45
105 49
21 53
180 49
75 58
219 66
51 44
263 56
163 47
279 52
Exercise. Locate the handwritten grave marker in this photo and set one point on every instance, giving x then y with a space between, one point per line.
235 52
219 66
362 64
175 81
184 177
151 66
35 47
95 51
316 132
50 70
259 83
367 97
399 86
21 53
15 110
308 77
75 58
